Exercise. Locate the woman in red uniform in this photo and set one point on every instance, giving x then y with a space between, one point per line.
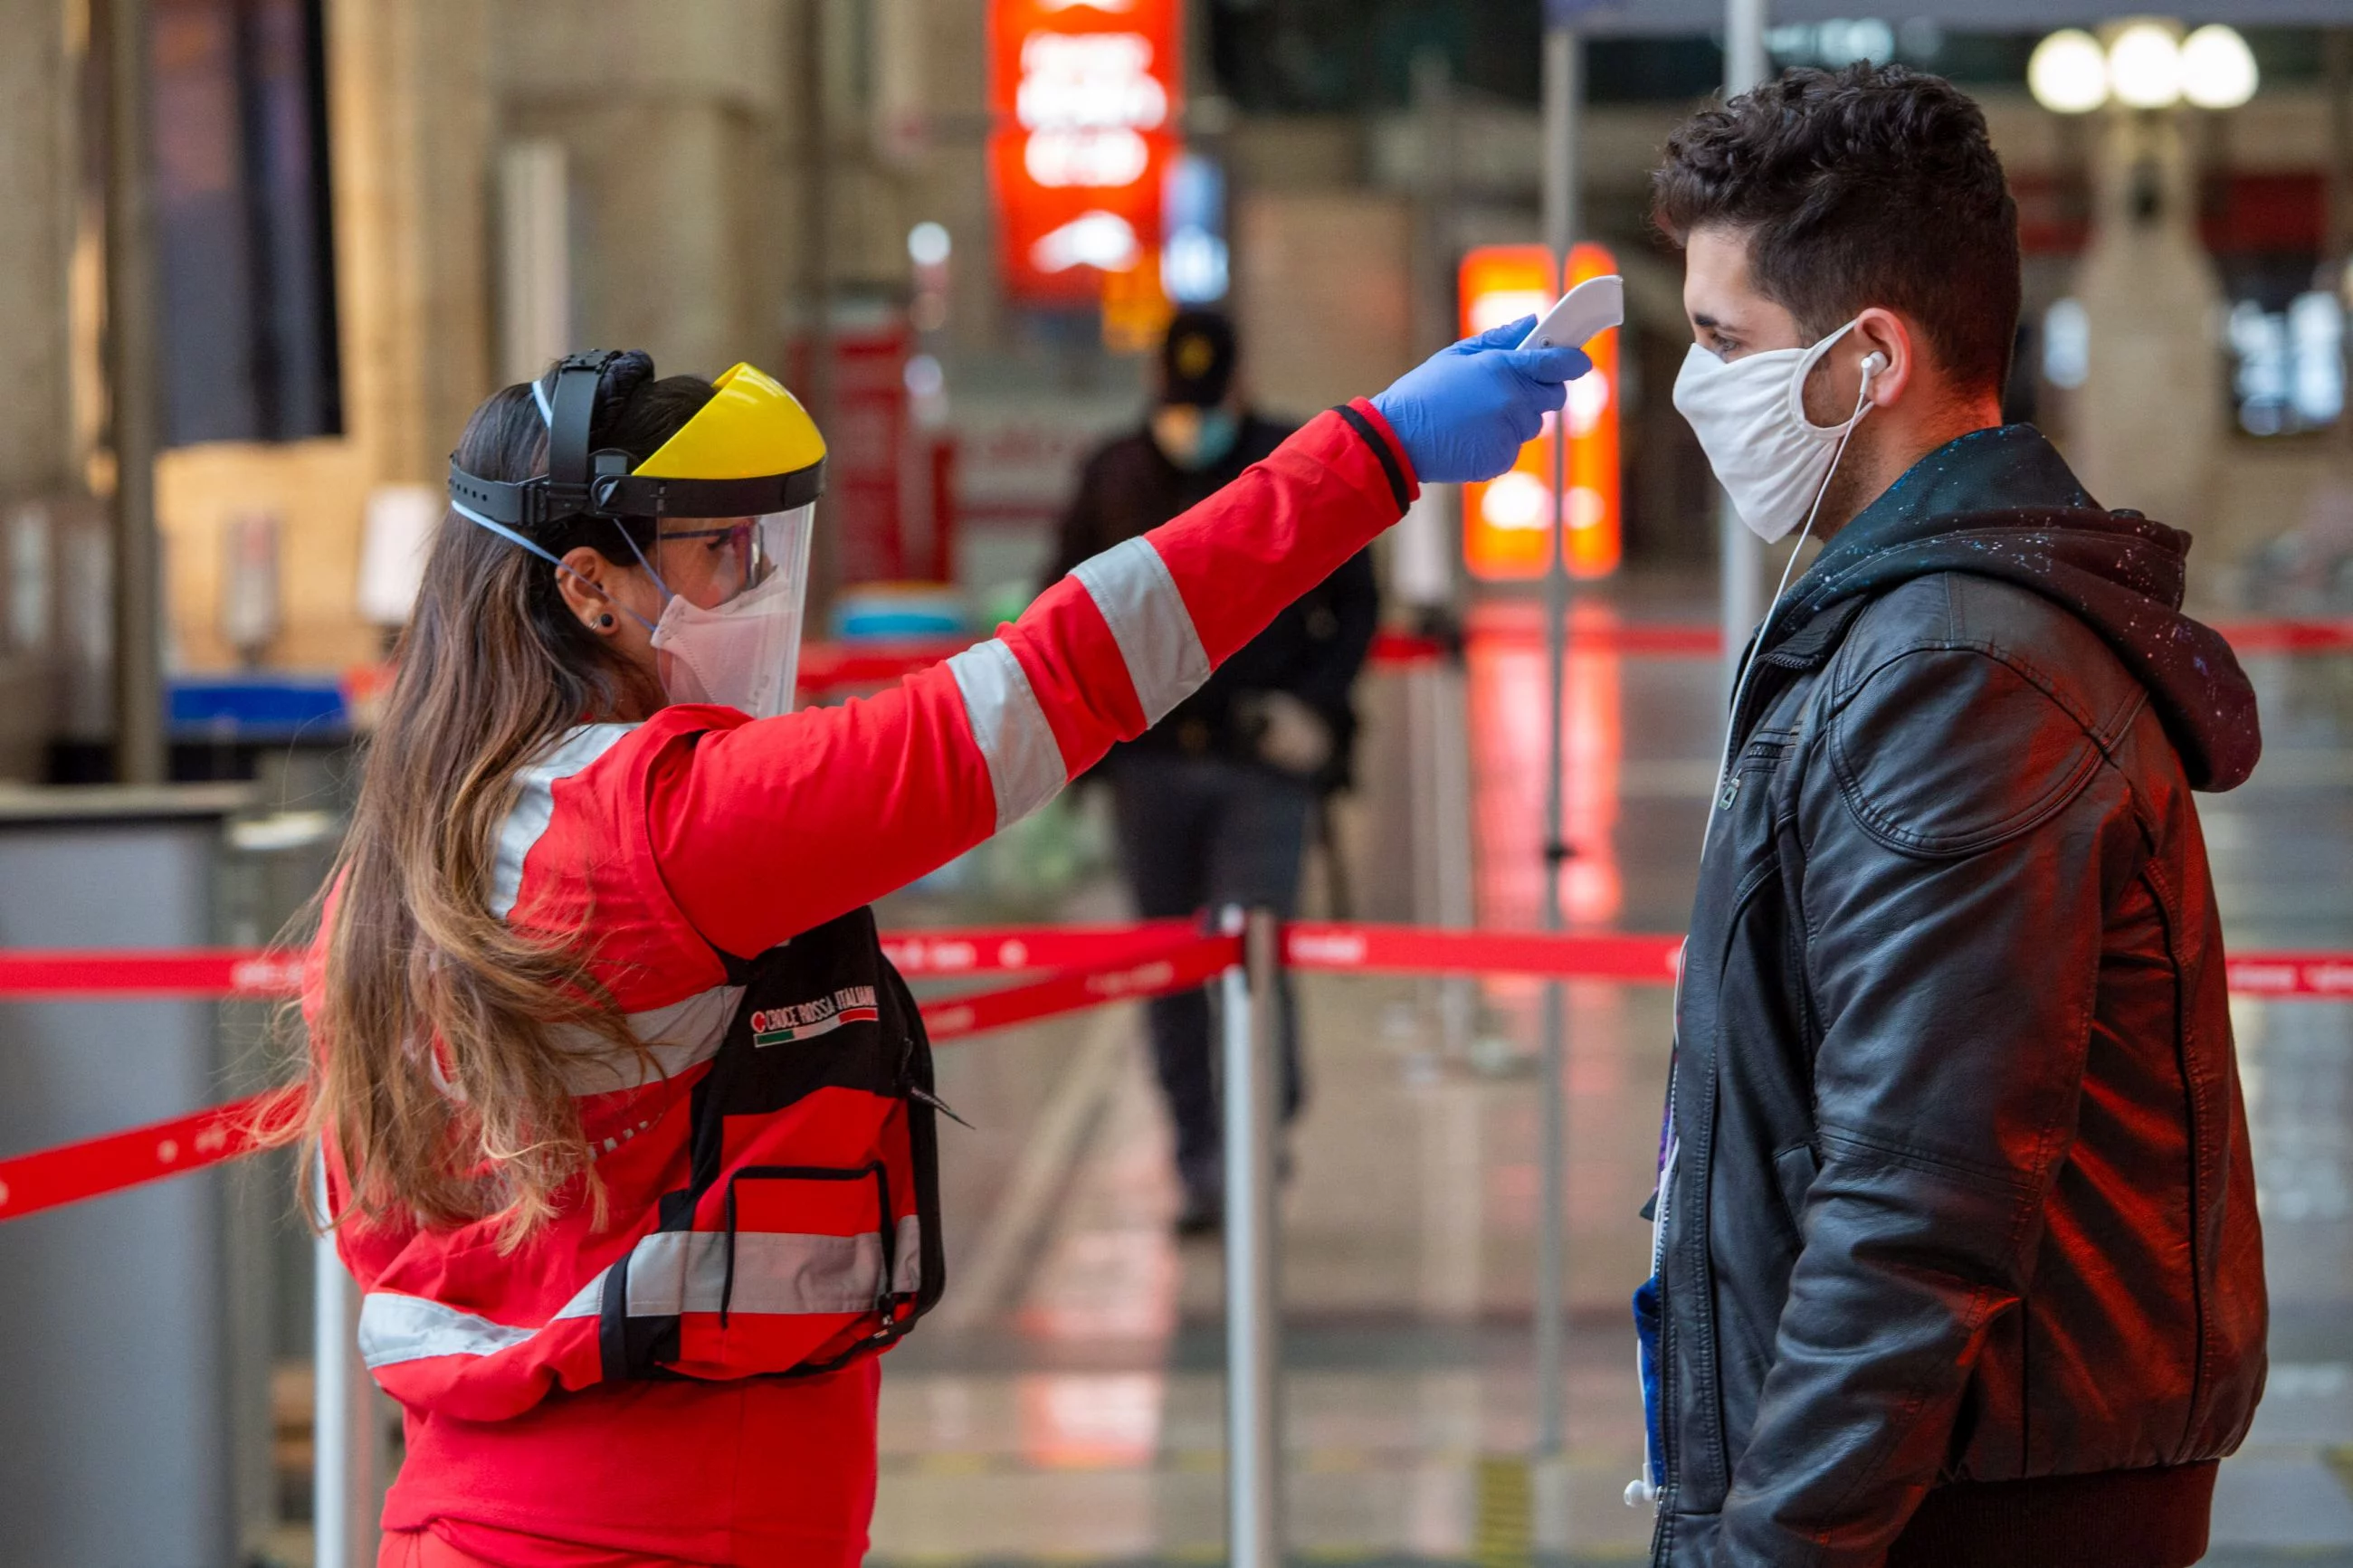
626 1121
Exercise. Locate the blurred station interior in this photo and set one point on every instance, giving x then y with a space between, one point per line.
263 257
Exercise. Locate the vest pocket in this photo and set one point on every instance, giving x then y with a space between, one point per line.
808 1239
805 1270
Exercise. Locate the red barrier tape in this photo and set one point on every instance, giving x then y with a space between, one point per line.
181 973
1113 962
1425 950
1153 960
59 976
825 665
96 1166
1653 960
2288 637
986 950
829 667
2293 974
1178 968
1308 944
1668 639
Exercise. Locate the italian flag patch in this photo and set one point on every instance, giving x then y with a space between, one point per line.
806 1020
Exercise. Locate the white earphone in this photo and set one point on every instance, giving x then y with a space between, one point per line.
1872 363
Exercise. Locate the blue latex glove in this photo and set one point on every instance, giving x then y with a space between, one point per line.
1465 412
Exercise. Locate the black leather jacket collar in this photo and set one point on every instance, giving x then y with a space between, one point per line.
2002 503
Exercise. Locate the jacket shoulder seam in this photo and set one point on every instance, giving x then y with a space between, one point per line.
1883 827
1860 661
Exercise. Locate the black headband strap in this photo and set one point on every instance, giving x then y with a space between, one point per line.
571 413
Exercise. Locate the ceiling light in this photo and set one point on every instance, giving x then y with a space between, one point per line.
2144 66
2218 69
928 244
2068 73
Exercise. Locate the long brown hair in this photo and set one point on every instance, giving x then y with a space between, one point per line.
440 1036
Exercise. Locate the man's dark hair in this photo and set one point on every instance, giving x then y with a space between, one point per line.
1868 186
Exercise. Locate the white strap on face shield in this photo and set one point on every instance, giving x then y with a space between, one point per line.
511 537
650 570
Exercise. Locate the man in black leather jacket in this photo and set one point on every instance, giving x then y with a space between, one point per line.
1958 1261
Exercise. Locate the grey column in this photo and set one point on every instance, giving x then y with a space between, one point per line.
1745 65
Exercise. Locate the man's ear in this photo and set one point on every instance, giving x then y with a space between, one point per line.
1883 332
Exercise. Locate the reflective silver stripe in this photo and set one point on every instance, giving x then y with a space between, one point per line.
1024 764
681 1035
534 807
675 1271
396 1329
1131 585
671 1271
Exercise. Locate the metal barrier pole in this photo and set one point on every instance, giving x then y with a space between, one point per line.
343 1504
1254 1349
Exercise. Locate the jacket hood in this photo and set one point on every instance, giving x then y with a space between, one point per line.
2118 571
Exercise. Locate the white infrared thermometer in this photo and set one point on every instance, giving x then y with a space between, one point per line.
1590 308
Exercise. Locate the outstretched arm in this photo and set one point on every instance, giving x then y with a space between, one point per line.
765 830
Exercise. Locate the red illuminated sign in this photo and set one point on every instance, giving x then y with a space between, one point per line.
1507 522
1085 93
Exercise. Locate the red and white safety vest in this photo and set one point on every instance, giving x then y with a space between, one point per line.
771 1188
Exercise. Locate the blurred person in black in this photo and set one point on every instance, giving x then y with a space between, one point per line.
1214 802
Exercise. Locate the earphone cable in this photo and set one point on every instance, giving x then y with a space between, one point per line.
1764 628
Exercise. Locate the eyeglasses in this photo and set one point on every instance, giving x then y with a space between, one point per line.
744 544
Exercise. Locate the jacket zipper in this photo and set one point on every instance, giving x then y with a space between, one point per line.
916 1091
1668 1480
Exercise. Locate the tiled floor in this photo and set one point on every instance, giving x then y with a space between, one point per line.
1065 1404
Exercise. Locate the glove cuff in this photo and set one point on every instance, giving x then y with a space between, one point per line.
1366 421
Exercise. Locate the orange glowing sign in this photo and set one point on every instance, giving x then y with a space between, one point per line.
1085 95
1507 522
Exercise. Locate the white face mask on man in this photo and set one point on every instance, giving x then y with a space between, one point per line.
1750 415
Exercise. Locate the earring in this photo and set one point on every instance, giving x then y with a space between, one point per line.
605 622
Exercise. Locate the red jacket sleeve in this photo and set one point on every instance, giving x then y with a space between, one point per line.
763 830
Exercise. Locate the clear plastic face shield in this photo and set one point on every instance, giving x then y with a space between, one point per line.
733 596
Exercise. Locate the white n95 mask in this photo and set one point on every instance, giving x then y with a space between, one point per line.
1750 415
744 653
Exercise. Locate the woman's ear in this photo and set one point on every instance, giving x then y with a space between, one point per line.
583 584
